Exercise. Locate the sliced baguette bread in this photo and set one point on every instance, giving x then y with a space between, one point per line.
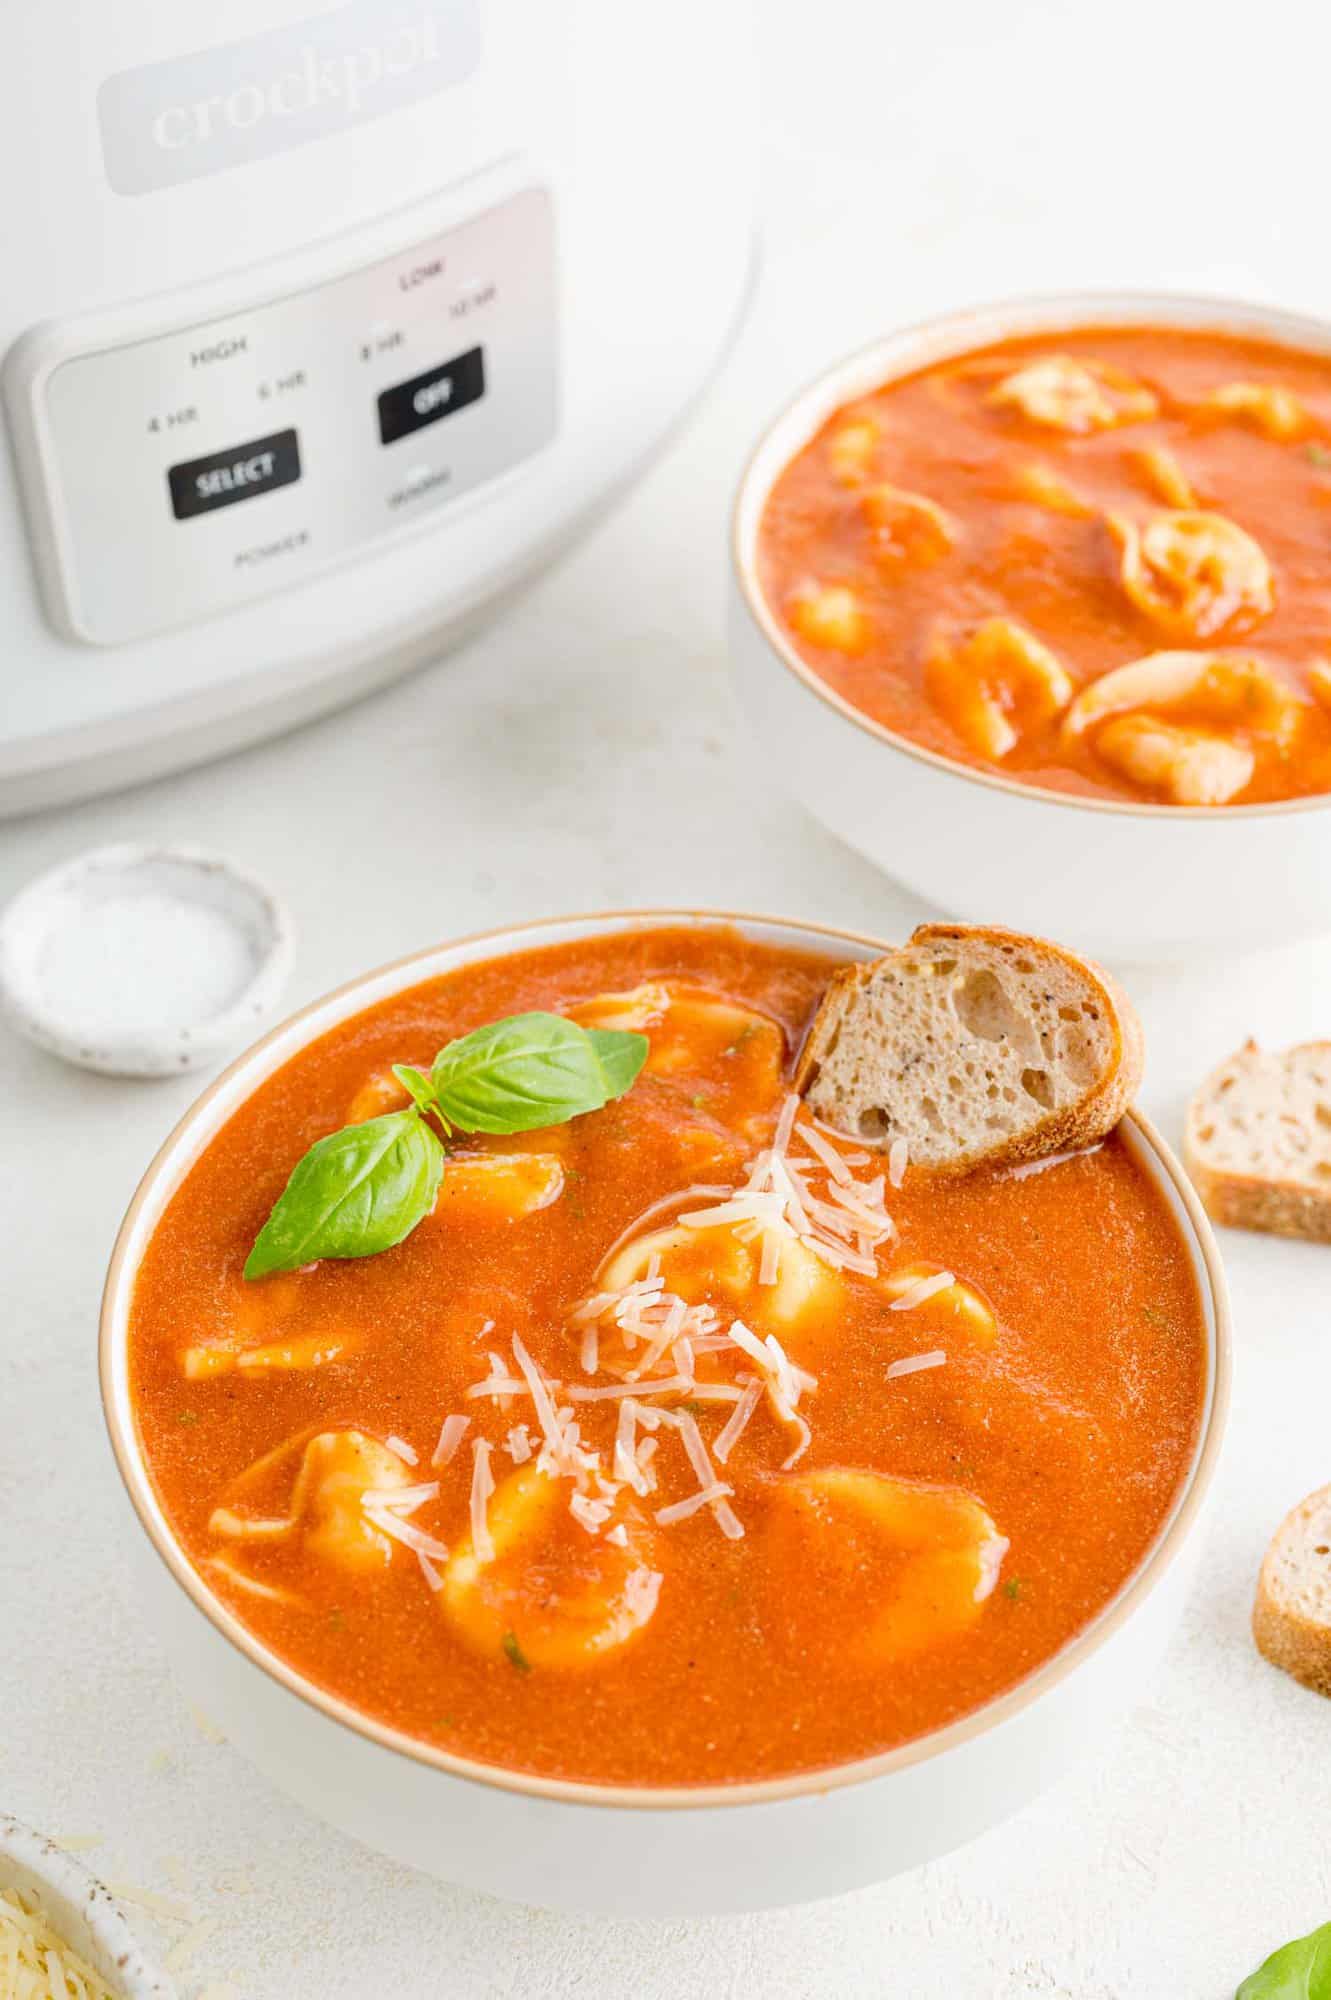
1291 1619
1258 1141
974 1046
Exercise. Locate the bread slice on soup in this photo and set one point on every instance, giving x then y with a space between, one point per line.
972 1046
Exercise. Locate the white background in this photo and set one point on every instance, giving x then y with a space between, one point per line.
583 753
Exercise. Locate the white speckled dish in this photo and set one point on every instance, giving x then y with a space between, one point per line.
45 923
85 1914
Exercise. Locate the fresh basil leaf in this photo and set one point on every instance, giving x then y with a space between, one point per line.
356 1192
520 1074
1298 1971
621 1054
421 1088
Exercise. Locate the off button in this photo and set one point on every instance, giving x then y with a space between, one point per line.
241 473
409 406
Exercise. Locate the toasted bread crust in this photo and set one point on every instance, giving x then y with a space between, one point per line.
1075 1126
1275 1205
1245 1202
1288 1637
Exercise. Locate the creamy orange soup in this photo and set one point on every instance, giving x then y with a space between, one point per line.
1097 561
676 1444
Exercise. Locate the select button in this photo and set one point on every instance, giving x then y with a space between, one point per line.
409 406
241 473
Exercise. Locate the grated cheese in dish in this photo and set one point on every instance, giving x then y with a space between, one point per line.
35 1961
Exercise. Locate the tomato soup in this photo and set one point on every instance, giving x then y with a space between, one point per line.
675 1444
1096 561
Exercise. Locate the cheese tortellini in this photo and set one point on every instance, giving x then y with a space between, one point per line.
851 448
294 1356
958 1307
1220 687
708 1263
1199 750
894 1566
1043 487
475 1187
1064 394
326 1512
690 1028
1191 767
498 1187
1319 680
1192 573
379 1093
831 615
255 1341
995 685
907 526
551 1594
1165 476
1266 406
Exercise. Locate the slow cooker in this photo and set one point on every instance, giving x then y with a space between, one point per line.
322 330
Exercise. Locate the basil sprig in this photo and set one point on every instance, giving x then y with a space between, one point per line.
532 1070
1298 1971
365 1188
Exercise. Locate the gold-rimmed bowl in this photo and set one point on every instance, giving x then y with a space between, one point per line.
639 1850
1134 883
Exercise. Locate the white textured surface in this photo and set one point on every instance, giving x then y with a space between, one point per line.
584 753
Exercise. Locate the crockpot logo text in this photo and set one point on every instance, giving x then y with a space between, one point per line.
202 113
346 80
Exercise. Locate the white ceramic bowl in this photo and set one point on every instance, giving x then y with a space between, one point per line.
647 1851
1135 883
129 1034
83 1912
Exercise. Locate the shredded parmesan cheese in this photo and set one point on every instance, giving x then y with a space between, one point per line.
401 1449
681 1509
411 1537
588 1513
750 1397
826 1152
625 1463
1042 1166
898 1158
450 1437
35 1961
184 1949
659 1386
919 1294
691 1439
911 1364
769 1270
482 1486
403 1499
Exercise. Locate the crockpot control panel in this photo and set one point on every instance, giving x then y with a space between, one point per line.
190 468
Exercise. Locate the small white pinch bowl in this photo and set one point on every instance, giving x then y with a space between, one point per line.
243 915
84 1913
641 1851
1139 884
